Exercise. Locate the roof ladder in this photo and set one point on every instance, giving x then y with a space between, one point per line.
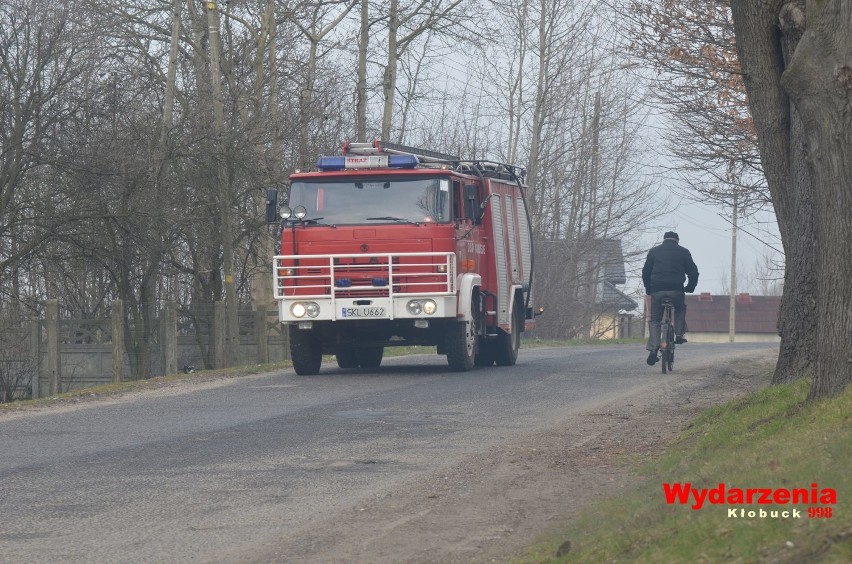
486 168
377 147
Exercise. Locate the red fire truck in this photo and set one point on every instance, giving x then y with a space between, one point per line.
387 245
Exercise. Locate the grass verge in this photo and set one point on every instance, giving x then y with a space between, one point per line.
770 439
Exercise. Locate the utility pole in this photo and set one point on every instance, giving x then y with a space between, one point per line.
733 313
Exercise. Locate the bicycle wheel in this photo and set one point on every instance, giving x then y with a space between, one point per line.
665 330
671 349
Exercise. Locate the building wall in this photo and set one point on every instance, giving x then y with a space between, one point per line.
604 327
616 326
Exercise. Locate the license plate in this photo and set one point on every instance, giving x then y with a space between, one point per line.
362 312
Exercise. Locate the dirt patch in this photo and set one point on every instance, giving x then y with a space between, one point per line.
493 504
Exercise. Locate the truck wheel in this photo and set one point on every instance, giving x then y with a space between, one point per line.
507 344
305 351
346 358
370 357
461 346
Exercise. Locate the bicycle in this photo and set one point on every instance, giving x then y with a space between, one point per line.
667 336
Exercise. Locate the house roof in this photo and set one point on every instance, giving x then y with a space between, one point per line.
612 260
706 313
604 253
599 264
612 296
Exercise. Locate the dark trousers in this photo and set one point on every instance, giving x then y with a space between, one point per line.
678 299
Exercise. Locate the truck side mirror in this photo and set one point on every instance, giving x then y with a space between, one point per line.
471 202
271 206
534 312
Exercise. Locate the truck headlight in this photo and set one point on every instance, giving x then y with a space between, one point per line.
429 307
300 212
298 309
414 307
312 308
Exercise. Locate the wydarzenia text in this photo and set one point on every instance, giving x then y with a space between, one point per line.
686 494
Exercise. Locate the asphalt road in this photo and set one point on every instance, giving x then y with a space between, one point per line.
202 470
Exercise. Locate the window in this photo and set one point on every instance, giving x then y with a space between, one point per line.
374 200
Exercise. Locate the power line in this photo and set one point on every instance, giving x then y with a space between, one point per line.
752 235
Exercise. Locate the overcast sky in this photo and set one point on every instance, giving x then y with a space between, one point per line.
708 237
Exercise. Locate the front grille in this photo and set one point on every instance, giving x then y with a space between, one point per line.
354 275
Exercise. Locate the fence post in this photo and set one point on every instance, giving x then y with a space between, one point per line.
219 334
170 337
117 341
261 334
54 377
35 347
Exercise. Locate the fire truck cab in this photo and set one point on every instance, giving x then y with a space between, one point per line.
387 245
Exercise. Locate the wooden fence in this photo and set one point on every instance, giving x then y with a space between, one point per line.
59 355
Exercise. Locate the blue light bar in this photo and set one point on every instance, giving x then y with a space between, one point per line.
343 282
380 281
331 163
370 162
402 161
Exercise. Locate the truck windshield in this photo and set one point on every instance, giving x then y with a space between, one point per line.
374 200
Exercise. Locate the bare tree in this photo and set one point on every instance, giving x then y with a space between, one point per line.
405 24
767 274
316 21
18 362
563 105
697 84
141 147
39 62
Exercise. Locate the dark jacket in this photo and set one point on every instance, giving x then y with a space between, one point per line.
667 267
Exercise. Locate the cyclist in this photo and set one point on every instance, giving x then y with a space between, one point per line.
667 267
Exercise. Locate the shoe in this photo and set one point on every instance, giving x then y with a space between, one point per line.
652 358
680 340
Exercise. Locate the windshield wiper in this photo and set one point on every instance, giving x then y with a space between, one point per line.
315 221
391 218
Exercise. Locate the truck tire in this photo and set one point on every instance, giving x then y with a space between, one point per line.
305 351
346 357
485 351
460 343
507 345
369 357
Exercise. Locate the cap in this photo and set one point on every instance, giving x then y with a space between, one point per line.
671 235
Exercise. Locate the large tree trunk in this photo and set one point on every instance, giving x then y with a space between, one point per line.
819 80
763 51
